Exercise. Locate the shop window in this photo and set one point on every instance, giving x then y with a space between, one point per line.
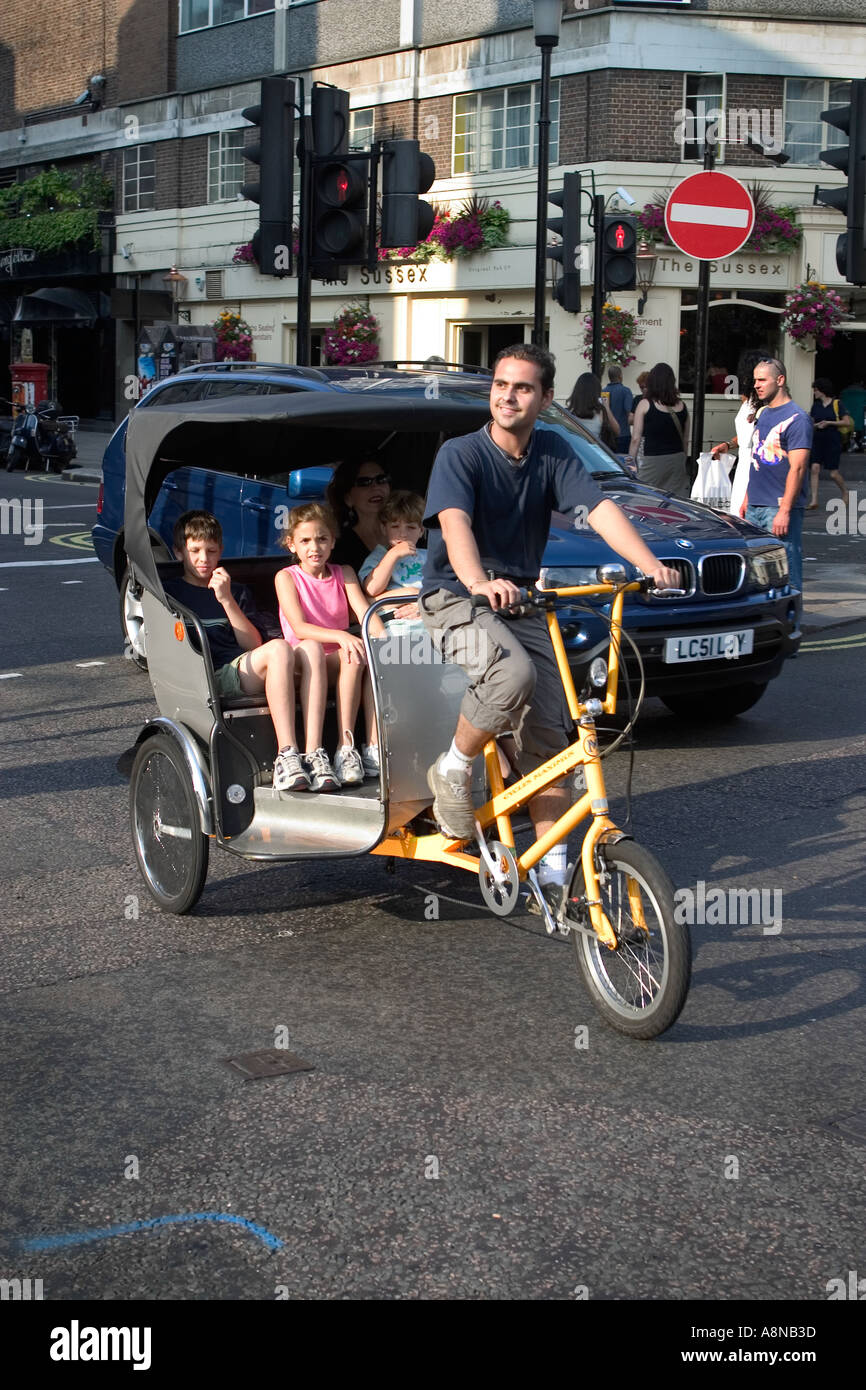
139 179
499 129
805 133
479 344
737 322
702 114
225 169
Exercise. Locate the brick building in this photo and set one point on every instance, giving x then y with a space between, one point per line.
630 81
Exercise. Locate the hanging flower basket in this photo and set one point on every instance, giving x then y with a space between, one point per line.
479 226
617 331
234 338
812 315
352 338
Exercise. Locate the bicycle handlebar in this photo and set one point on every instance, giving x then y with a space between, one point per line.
531 599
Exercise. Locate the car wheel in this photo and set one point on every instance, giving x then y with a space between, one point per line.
132 622
716 704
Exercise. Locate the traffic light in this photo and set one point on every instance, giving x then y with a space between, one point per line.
566 291
406 172
619 253
340 212
274 152
851 197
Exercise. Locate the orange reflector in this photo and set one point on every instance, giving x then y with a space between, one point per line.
179 631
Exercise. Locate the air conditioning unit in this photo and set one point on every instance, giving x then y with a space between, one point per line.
213 284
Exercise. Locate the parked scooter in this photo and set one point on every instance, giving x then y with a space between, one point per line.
42 439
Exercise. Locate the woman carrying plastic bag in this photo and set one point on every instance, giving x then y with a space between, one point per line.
744 431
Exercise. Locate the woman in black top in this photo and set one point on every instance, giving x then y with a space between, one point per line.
661 421
357 493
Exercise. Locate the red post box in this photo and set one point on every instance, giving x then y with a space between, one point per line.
29 384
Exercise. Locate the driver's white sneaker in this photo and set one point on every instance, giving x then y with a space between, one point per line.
453 808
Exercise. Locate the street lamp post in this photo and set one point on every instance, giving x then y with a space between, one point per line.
547 18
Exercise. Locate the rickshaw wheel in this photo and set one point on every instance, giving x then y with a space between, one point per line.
639 988
171 850
132 622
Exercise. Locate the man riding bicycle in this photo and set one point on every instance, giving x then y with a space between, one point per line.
488 513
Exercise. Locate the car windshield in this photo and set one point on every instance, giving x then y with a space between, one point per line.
593 455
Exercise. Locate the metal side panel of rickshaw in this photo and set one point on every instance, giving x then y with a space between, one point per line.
177 670
418 698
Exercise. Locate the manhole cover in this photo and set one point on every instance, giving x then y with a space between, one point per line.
271 1061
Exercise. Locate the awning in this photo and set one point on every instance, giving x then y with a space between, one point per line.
61 305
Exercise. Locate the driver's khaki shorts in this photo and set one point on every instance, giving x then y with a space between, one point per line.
514 683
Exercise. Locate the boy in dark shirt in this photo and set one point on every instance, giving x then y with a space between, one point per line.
244 664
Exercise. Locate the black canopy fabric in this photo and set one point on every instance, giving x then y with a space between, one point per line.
60 304
270 435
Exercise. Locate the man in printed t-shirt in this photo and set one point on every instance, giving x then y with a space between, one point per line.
779 476
488 514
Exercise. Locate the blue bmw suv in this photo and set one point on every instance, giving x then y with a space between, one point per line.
708 652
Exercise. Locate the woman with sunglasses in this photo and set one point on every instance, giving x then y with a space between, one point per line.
357 492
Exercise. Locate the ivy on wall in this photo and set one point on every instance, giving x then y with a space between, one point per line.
54 209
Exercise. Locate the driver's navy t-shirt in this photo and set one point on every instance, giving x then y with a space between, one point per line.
509 503
778 430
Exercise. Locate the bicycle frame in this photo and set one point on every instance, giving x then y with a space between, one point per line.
504 801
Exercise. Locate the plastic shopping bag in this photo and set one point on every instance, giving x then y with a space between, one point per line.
712 486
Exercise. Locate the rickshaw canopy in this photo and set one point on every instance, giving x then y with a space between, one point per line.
275 434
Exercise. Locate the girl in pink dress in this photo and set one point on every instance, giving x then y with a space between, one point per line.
316 600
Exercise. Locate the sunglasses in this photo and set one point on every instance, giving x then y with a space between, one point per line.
771 362
380 478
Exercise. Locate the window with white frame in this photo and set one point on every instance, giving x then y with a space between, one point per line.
499 129
203 14
361 128
225 165
805 133
139 178
702 116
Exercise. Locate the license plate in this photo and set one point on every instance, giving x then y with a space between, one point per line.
710 646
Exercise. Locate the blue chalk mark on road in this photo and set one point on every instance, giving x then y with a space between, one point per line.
62 1242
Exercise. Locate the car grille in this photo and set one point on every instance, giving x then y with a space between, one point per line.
721 574
715 574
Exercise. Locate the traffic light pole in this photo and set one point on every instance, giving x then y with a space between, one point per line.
702 330
538 334
302 326
597 282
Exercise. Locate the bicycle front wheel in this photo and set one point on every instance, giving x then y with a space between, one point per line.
640 987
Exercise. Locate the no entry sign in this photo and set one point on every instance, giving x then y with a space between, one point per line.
709 215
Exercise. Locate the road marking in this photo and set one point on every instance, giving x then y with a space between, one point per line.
66 1239
37 564
10 675
72 581
90 663
855 640
75 540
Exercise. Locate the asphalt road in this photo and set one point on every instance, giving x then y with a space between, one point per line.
459 1136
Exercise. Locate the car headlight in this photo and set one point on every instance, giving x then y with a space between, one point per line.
769 568
568 577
